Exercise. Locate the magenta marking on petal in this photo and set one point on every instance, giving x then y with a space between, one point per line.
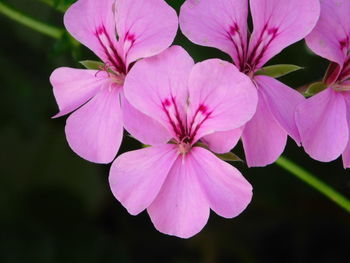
202 108
177 114
345 44
235 36
166 103
110 50
184 134
129 40
272 31
170 108
201 115
172 123
234 29
100 30
258 43
130 37
266 37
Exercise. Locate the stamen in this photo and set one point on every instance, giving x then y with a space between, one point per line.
184 148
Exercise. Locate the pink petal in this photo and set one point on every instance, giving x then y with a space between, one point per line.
181 208
323 125
95 130
227 191
221 24
73 87
92 23
346 153
145 129
145 27
263 137
278 24
136 177
331 37
159 82
282 101
221 97
223 142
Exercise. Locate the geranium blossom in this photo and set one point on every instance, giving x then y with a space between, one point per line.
119 32
324 119
277 24
177 181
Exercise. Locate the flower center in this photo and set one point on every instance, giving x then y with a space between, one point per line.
184 147
184 130
118 78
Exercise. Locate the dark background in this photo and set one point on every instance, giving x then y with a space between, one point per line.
57 207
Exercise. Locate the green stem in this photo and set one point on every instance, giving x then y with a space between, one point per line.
314 182
34 24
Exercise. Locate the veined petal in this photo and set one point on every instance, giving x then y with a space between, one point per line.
181 208
145 27
157 86
263 137
73 87
145 129
227 191
322 124
95 131
282 101
346 153
136 177
223 142
331 36
278 24
92 23
221 24
220 98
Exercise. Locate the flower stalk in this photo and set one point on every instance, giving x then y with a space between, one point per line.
314 182
30 22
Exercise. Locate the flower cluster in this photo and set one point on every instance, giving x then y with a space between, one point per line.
188 114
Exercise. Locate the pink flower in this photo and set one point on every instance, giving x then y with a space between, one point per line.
277 24
324 119
119 32
177 181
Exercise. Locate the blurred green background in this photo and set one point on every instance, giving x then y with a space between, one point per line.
57 207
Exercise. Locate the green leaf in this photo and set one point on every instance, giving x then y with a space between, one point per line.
315 88
91 64
229 157
277 71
